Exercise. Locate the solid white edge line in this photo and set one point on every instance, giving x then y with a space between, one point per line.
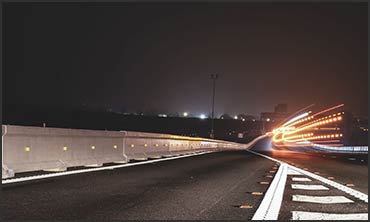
293 172
350 191
43 176
271 203
302 215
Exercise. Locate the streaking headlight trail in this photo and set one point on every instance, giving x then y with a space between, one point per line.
311 129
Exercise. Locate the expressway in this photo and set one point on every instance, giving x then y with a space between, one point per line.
215 186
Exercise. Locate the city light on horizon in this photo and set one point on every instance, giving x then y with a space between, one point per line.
202 116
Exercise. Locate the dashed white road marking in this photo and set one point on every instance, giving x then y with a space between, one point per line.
309 187
301 179
351 158
350 191
293 172
321 199
355 193
302 215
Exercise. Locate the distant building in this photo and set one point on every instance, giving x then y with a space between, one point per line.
355 130
246 117
279 115
273 117
225 116
281 108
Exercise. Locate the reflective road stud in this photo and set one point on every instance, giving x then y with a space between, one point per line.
264 183
246 206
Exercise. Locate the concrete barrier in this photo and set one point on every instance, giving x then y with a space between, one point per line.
250 144
141 146
55 149
341 149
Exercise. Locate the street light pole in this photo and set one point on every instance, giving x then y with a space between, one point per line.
213 77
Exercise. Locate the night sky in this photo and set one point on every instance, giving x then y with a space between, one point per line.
159 56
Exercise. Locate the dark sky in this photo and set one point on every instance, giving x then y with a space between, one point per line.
159 56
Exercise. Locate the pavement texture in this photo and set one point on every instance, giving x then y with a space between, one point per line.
210 186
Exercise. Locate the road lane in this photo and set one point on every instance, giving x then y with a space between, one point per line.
343 168
303 195
210 186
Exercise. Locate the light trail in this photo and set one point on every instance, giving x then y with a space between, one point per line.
305 129
329 109
296 118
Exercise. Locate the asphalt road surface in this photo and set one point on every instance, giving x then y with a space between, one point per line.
205 187
344 168
210 186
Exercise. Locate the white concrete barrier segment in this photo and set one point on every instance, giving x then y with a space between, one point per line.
321 199
50 175
302 215
250 144
55 149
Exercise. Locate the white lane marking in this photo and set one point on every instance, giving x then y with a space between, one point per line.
36 177
301 179
302 215
351 158
271 203
350 191
321 199
308 187
293 172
